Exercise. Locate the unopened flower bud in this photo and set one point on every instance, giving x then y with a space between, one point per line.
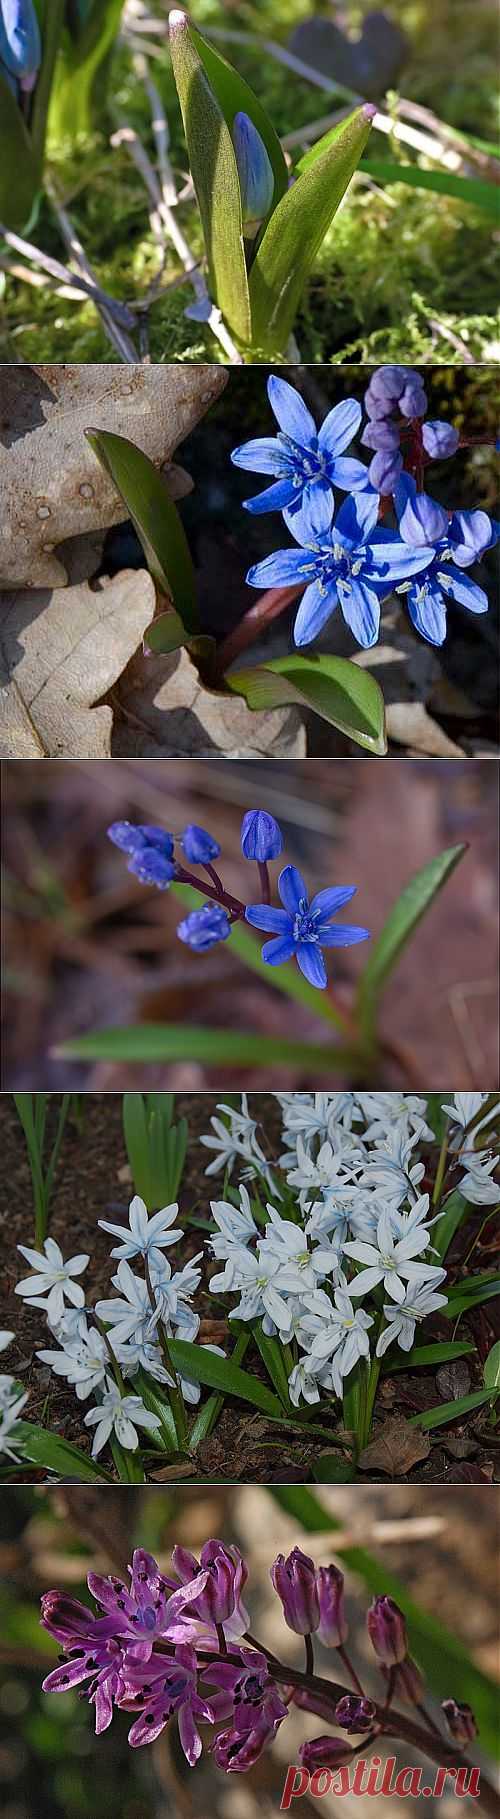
133 837
407 1681
355 1714
20 43
385 469
440 440
198 846
324 1752
294 1580
387 1631
261 838
204 927
460 1720
332 1627
152 867
255 171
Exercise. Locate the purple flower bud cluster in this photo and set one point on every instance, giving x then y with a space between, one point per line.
300 928
395 398
177 1645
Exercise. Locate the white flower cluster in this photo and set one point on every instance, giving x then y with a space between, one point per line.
128 1322
12 1401
357 1219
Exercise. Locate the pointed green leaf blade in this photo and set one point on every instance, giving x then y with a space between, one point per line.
234 97
155 517
170 1042
54 1454
215 177
491 1371
221 1374
20 174
345 695
401 923
294 234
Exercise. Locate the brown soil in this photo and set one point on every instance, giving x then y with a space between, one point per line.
92 1182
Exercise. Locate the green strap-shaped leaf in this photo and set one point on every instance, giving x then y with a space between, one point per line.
155 517
346 696
56 1455
171 1042
404 918
221 1374
455 1210
235 97
79 93
215 177
446 183
295 232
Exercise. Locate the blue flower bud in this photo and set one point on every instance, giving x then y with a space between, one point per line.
261 838
254 170
439 439
385 469
413 400
205 927
20 42
152 867
134 838
198 846
381 434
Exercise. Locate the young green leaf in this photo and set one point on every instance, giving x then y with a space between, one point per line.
215 176
207 1416
427 1354
19 167
444 1412
491 1371
272 1356
470 1294
221 1374
58 1456
455 1210
80 88
155 517
472 190
346 696
294 234
403 919
171 1042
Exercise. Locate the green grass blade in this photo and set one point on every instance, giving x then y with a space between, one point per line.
403 919
473 190
171 1042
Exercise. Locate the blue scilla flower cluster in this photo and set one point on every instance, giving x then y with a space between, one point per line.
300 929
351 557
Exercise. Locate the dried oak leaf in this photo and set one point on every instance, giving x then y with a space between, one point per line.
59 656
163 710
395 1448
53 487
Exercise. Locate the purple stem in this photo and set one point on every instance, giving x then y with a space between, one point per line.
265 882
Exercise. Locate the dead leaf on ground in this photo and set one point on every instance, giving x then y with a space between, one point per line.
59 656
53 487
453 1380
395 1448
163 710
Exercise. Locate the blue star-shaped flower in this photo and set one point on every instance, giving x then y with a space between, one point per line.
451 545
302 928
302 461
349 562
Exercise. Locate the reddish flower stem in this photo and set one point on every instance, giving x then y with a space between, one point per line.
266 608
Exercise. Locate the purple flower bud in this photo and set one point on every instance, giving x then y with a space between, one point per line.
65 1618
390 381
204 927
422 520
324 1752
132 838
261 838
227 1574
355 1714
332 1627
413 400
151 867
439 439
407 1681
255 171
20 43
382 434
198 846
294 1580
387 1631
384 471
460 1720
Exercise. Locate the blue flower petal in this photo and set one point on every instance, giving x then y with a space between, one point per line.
290 411
274 499
279 950
311 522
285 569
292 889
395 561
471 533
461 588
427 610
357 517
310 960
422 520
350 475
326 903
317 605
339 427
263 455
263 915
361 610
343 935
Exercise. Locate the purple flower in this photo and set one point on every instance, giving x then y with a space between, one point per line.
332 1629
348 561
261 838
198 846
303 462
355 1714
257 1711
301 928
143 1611
387 1631
223 1575
294 1580
324 1752
162 1688
203 928
449 545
